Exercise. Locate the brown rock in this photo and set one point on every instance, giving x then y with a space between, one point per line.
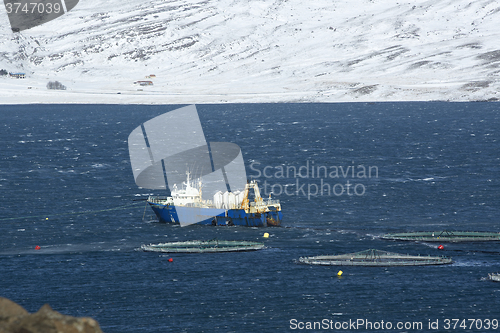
9 313
10 309
15 319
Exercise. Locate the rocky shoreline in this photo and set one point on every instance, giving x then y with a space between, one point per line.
15 319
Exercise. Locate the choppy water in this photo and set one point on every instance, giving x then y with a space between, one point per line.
66 185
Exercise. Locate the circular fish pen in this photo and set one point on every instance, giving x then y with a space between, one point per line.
199 246
374 258
494 277
445 236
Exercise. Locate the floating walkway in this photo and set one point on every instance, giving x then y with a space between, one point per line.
375 258
445 236
198 246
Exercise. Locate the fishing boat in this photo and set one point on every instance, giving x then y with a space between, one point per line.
165 149
374 257
198 246
187 206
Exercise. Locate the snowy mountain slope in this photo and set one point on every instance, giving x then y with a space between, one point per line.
257 51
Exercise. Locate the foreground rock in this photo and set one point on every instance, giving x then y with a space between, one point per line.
15 319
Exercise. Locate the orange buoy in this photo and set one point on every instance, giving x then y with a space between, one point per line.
37 247
170 260
440 247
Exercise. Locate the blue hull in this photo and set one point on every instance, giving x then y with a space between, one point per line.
214 216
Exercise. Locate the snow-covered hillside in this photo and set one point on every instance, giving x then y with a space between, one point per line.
209 51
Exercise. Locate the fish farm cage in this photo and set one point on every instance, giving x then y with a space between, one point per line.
374 258
445 236
199 246
494 277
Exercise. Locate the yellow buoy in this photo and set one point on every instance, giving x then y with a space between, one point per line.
339 274
266 235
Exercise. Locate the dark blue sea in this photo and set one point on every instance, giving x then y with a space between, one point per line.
66 185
